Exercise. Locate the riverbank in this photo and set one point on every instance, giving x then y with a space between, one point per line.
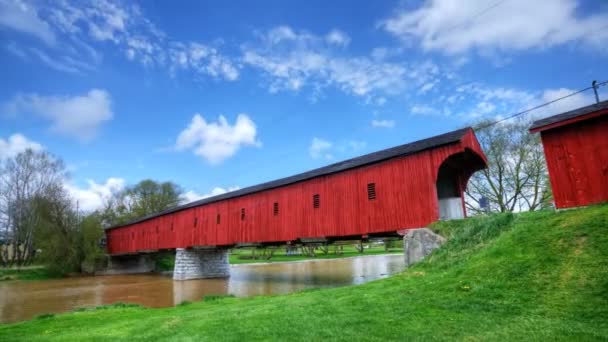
237 257
539 276
244 256
27 273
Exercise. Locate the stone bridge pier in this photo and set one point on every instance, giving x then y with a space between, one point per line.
190 263
199 263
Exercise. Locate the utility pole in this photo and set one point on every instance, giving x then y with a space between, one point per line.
594 85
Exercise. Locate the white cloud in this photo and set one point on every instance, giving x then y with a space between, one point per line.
217 141
486 26
16 144
16 50
94 195
54 63
474 101
383 123
567 104
357 145
200 58
324 149
337 37
191 196
108 21
121 24
422 109
128 29
78 116
23 17
292 60
320 148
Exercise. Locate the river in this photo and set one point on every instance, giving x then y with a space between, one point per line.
22 300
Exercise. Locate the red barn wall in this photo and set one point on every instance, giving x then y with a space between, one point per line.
577 159
406 197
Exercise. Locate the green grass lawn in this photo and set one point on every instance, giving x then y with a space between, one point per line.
27 273
533 276
243 256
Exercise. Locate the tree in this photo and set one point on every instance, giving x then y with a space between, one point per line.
57 234
91 231
516 178
25 180
144 198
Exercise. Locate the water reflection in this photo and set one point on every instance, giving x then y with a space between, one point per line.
24 300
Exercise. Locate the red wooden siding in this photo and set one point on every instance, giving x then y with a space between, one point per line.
577 159
406 197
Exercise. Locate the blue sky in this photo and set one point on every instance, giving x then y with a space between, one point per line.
216 95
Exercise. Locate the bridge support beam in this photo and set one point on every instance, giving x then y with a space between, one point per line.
418 243
201 263
130 264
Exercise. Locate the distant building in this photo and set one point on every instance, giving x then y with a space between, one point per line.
576 150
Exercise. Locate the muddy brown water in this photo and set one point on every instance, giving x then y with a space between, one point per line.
22 300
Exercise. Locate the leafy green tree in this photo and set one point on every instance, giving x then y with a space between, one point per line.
93 255
144 198
57 235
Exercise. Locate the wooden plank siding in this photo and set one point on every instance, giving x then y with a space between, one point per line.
577 159
406 197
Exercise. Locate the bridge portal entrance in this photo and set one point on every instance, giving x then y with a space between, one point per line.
452 179
449 194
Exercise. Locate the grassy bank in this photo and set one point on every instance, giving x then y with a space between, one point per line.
533 276
244 256
27 273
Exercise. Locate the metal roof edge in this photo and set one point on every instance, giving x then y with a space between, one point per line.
579 113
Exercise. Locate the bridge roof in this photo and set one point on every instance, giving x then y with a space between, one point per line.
371 158
569 117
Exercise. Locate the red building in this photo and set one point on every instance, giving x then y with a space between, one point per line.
576 150
407 186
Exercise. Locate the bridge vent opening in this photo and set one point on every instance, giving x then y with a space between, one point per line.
452 178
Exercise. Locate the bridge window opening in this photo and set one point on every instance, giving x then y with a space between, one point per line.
316 201
371 191
217 219
133 236
171 226
275 208
195 221
242 214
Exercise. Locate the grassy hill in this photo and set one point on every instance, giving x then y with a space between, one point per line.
532 276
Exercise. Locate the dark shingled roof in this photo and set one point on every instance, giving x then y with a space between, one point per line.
570 115
398 151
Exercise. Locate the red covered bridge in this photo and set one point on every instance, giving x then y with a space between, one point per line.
576 150
378 194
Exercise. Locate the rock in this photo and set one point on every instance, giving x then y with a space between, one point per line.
418 243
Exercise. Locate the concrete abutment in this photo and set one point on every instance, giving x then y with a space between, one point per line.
130 264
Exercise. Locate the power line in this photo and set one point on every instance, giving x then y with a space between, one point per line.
476 15
599 84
